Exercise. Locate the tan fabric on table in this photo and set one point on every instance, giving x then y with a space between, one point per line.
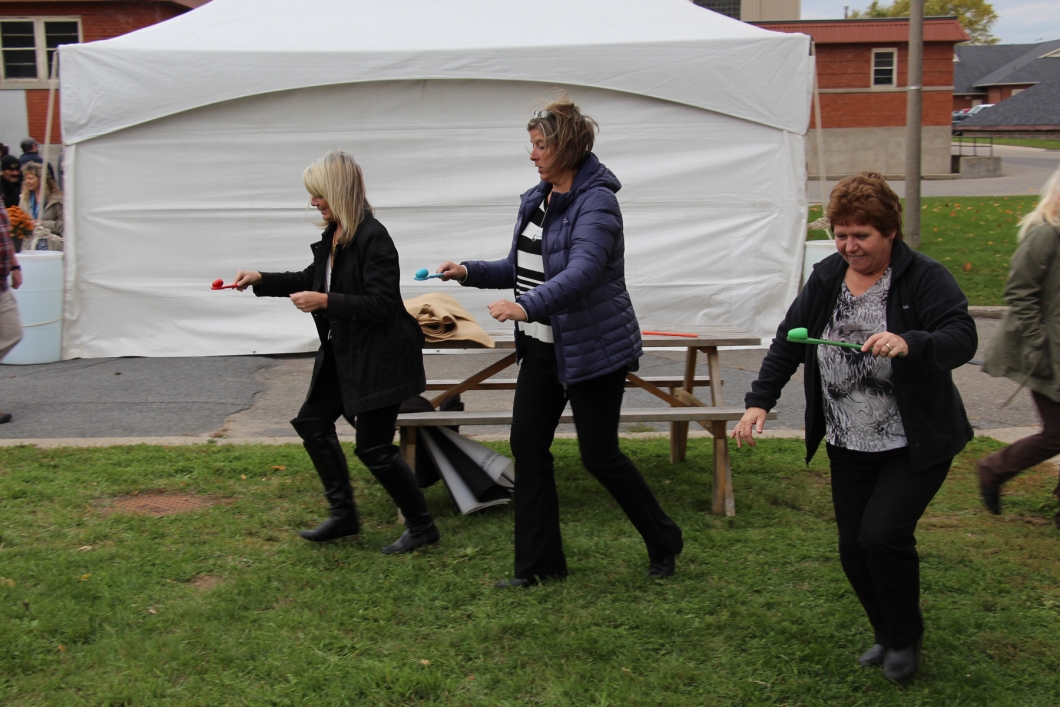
442 318
10 324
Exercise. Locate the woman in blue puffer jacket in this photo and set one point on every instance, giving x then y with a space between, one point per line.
576 337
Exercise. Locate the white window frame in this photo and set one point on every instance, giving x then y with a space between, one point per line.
893 51
40 43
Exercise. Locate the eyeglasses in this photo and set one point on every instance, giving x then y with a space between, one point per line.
543 114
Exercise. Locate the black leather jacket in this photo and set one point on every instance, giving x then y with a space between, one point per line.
378 346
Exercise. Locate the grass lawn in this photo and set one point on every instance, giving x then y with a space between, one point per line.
973 236
227 606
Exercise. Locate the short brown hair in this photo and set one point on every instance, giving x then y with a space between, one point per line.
866 199
568 133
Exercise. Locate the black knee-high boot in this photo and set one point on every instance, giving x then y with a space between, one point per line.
388 466
322 444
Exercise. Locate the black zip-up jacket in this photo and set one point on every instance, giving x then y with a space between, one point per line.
378 345
926 307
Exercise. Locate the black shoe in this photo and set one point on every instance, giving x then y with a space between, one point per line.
661 569
902 664
515 583
991 499
873 656
990 491
409 542
333 529
5 417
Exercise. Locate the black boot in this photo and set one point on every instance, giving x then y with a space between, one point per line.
322 444
388 466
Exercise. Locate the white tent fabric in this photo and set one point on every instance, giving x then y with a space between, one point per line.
187 141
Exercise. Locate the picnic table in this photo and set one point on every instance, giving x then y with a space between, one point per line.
678 391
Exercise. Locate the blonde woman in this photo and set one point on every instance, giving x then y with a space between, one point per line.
1027 346
370 357
50 214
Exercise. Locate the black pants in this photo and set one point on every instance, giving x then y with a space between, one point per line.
878 501
374 427
539 402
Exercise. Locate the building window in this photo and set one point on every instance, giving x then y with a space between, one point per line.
729 8
29 45
884 67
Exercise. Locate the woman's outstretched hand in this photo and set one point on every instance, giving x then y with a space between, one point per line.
452 271
753 420
310 301
886 344
246 278
503 311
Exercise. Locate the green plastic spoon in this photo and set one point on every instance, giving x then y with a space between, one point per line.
801 336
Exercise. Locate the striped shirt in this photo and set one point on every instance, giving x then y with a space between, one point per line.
530 272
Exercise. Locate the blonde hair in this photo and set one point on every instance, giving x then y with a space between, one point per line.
50 187
1048 208
336 177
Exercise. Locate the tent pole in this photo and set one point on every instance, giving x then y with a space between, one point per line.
48 129
821 172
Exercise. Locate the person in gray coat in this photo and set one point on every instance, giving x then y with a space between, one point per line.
1026 349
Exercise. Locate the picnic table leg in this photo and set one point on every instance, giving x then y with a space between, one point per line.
723 498
407 435
679 430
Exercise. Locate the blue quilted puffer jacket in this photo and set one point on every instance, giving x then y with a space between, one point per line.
593 323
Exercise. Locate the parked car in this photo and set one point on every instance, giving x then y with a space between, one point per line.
969 112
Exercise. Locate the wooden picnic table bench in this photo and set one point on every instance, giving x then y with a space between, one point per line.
678 391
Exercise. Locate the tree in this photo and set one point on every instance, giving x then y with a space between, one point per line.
976 16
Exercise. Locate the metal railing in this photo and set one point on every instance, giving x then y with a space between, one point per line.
959 142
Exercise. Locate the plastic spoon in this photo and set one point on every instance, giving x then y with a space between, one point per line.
801 336
219 284
422 274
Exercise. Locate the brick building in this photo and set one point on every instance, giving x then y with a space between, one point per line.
862 67
31 31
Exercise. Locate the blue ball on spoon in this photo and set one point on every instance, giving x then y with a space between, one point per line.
424 274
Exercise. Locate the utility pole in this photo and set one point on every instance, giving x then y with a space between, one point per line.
913 119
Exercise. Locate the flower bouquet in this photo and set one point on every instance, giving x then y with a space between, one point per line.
21 226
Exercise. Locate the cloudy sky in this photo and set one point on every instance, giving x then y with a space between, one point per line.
1019 21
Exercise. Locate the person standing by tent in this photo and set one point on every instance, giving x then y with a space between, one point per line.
371 353
10 180
10 324
1027 346
48 216
889 412
576 335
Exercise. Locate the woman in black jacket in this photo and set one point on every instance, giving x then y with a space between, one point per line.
890 413
370 356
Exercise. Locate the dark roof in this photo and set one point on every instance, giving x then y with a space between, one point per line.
1003 64
1032 67
873 29
1038 105
977 61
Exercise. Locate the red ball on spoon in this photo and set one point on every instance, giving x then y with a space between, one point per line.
219 284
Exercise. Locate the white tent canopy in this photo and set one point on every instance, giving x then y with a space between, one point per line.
187 140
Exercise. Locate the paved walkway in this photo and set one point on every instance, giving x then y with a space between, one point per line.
252 398
1024 171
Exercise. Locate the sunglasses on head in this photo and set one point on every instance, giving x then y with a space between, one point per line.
543 114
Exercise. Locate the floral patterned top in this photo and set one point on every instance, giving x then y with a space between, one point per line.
860 406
